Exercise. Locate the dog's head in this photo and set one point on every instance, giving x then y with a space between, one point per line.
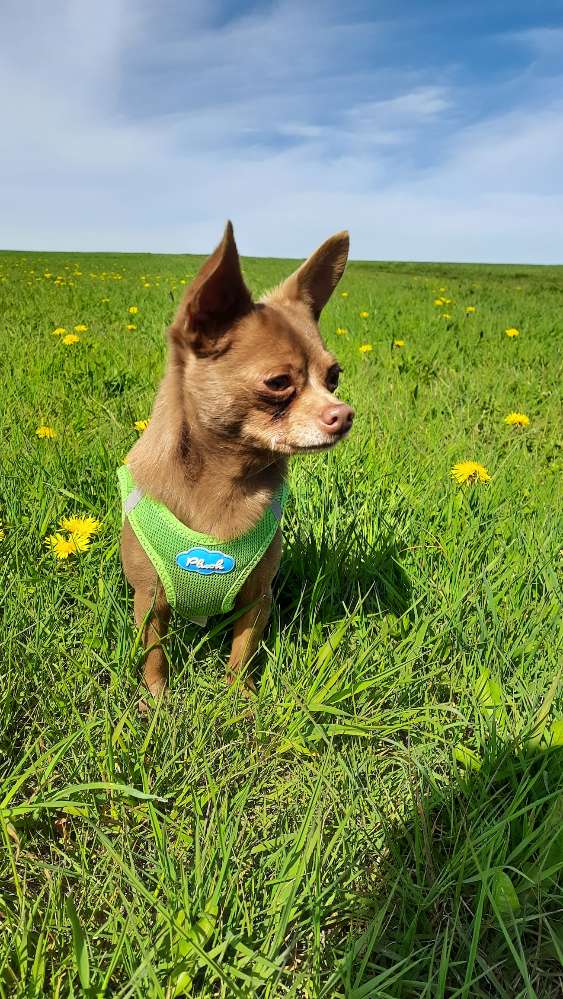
258 375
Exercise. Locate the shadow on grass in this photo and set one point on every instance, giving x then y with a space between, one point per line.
320 583
470 896
343 572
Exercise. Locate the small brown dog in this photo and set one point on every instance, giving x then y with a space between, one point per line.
246 386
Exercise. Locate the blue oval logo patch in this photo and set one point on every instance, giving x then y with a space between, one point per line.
206 562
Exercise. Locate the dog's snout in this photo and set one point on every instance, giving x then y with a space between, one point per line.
337 419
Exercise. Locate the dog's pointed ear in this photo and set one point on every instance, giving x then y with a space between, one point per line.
215 299
316 279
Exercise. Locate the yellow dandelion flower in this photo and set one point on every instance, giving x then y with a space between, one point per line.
344 294
146 284
63 547
81 542
133 310
341 330
469 309
141 425
517 420
82 527
364 314
131 326
469 471
70 338
512 331
104 299
443 289
81 328
365 348
439 301
398 343
59 331
46 432
2 532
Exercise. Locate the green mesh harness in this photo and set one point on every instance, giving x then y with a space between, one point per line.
201 575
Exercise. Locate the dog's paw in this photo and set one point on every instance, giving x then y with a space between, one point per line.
154 694
245 683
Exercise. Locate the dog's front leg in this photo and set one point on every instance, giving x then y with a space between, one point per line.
152 613
152 610
249 627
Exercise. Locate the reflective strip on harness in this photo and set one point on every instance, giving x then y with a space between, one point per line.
276 509
132 499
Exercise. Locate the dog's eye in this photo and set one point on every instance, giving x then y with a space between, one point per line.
332 377
278 384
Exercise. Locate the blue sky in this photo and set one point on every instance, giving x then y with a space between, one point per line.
431 130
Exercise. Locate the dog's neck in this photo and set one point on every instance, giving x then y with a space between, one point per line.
211 487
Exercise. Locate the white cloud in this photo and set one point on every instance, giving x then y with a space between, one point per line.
421 103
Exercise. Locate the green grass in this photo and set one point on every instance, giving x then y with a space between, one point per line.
385 818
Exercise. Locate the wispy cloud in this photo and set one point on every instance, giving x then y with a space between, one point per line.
544 42
146 125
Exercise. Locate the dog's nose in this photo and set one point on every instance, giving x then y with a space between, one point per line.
337 419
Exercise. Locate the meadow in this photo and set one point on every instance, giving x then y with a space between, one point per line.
385 817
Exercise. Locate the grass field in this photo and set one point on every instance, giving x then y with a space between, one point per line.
385 818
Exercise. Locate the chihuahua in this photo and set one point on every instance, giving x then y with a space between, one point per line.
247 385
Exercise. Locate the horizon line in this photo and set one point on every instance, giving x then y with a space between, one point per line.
252 256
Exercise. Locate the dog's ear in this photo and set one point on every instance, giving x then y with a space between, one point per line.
316 279
215 299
